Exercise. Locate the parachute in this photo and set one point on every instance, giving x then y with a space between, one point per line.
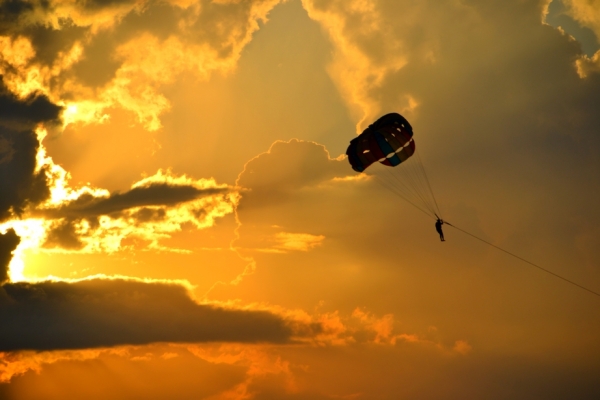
389 141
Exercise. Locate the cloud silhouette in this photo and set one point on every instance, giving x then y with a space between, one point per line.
8 243
20 183
109 312
30 110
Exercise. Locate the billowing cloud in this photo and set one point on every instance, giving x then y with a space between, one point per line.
90 220
288 167
340 273
51 47
297 241
101 312
586 12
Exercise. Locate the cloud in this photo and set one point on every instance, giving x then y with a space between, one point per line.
27 111
101 312
90 220
21 181
51 47
155 194
510 132
275 180
367 50
288 167
8 243
93 220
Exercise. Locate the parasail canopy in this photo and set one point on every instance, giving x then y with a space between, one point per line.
388 140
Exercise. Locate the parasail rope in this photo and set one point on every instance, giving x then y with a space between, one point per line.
413 190
428 184
398 193
524 260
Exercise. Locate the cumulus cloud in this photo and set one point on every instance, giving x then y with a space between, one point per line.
276 179
102 312
26 111
52 46
587 66
90 220
413 66
288 167
483 84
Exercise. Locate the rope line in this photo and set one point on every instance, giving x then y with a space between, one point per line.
524 260
428 184
399 194
410 182
411 188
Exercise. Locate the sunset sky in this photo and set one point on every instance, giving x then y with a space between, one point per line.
178 218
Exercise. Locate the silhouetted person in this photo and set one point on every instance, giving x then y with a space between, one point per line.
438 228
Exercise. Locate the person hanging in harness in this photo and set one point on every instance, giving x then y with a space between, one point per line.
438 228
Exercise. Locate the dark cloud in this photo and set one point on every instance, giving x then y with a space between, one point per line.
20 183
100 313
64 235
11 12
8 243
155 194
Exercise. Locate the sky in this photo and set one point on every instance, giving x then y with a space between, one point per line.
178 217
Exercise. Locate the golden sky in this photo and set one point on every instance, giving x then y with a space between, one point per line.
178 218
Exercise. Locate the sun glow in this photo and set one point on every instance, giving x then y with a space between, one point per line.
32 233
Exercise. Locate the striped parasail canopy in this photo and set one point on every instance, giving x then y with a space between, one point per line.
388 140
